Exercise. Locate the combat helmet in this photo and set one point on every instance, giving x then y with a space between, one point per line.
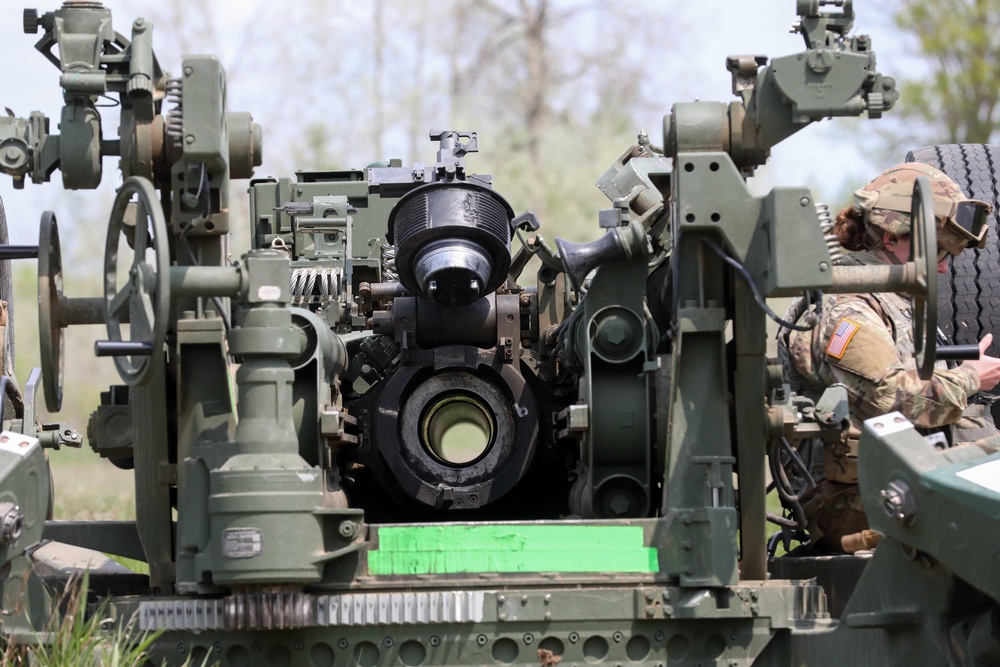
886 202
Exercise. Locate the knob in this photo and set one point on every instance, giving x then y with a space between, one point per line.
31 21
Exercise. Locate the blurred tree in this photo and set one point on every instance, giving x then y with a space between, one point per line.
959 99
557 90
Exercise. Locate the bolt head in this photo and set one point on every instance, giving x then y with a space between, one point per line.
615 333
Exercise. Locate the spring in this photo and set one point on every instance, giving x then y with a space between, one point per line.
826 225
389 274
316 285
175 118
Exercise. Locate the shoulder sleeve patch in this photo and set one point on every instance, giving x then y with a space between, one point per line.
864 349
841 337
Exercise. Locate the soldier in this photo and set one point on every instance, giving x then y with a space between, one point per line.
864 342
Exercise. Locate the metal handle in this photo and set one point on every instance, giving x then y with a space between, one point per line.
18 251
122 348
957 352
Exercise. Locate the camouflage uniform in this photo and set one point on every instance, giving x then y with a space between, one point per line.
875 361
864 342
878 368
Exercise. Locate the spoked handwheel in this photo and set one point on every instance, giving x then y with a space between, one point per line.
51 338
923 253
144 298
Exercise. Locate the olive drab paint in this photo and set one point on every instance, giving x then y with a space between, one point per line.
294 419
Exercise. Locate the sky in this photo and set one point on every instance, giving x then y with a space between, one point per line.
828 156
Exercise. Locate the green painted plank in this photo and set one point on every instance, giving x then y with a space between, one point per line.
452 549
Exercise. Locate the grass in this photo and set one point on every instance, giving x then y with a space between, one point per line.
90 488
87 488
78 638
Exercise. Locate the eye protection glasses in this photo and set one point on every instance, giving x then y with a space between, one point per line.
965 219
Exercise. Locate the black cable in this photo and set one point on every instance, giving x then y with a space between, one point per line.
772 543
789 498
782 484
753 287
112 102
798 461
780 520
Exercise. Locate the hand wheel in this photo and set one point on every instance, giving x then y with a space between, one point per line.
144 298
923 253
51 339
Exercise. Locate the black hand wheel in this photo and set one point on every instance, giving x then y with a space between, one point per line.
923 254
51 338
144 299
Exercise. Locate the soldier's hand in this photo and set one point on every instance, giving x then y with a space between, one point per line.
988 367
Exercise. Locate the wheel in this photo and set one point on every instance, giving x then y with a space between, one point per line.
145 296
924 256
969 298
7 294
51 337
969 294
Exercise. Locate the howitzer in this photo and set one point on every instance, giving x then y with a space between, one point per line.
376 439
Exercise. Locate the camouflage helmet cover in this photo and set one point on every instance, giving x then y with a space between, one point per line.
897 182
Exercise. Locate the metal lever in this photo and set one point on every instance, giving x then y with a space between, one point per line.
114 348
18 251
957 352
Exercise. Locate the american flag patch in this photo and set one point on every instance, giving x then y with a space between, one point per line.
841 337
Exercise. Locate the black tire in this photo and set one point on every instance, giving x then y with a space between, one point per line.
969 294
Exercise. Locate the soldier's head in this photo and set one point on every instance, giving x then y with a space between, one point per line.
885 205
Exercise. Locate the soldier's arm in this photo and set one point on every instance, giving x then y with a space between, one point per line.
861 354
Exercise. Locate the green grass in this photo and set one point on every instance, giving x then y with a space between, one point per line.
88 487
76 638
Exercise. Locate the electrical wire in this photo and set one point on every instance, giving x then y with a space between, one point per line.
790 498
753 287
794 455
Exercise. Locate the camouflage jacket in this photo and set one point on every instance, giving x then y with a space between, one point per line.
864 341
